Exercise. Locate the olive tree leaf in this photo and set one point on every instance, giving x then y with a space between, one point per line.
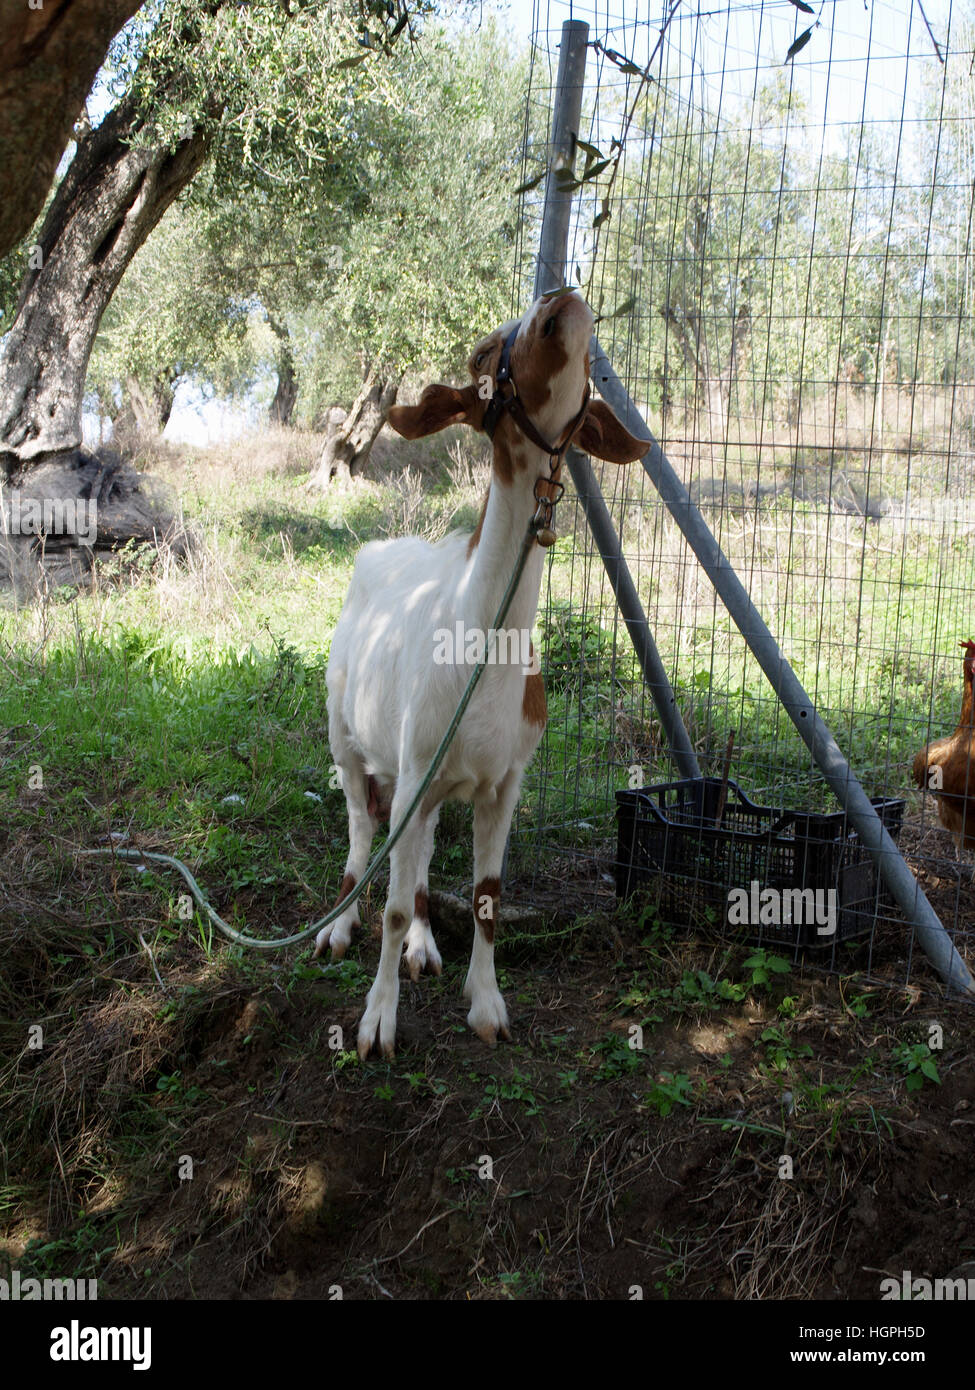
799 44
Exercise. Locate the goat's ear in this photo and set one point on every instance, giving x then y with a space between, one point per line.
438 407
604 437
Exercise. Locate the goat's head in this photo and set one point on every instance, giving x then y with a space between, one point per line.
545 355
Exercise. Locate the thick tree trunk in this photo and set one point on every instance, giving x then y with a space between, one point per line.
146 408
110 199
49 54
61 504
346 451
282 407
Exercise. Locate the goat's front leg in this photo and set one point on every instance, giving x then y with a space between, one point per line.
421 948
378 1024
492 820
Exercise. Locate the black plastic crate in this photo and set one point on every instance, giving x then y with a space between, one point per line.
671 842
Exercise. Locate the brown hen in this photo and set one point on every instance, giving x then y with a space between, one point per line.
946 767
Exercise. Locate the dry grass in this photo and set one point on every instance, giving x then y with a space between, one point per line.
269 452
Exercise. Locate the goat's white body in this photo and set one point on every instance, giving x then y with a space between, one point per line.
392 701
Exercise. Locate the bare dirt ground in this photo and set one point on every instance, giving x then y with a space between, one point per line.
208 1134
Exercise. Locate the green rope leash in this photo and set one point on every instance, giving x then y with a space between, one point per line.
261 944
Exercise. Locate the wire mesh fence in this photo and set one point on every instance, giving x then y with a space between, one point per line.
773 216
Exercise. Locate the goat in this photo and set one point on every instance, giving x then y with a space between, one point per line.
390 700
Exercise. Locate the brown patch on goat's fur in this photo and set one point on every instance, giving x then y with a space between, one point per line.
421 905
378 806
539 389
487 888
534 707
504 455
476 533
347 885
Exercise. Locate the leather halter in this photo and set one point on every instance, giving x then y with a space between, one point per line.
506 400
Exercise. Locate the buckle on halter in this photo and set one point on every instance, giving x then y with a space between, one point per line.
549 482
544 518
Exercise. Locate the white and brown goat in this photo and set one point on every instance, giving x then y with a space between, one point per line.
390 701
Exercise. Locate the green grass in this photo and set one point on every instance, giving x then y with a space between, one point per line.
149 701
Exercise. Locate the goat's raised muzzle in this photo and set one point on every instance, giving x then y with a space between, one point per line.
506 399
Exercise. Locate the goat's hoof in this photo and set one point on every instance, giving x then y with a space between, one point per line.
423 955
489 1020
336 937
366 1045
490 1035
378 1026
338 951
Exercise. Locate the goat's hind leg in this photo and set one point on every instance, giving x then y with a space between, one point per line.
362 830
378 1024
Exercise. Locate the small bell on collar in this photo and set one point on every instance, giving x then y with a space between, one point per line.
546 536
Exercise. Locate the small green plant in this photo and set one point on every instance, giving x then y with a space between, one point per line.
763 966
653 931
576 651
670 1089
618 1058
781 1052
175 1090
520 1283
419 1081
459 1176
180 1002
859 1005
350 977
85 1248
519 1088
673 1271
699 990
916 1061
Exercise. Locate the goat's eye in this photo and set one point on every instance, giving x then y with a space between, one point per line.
549 328
479 359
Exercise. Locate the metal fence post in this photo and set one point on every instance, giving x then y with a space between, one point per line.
550 275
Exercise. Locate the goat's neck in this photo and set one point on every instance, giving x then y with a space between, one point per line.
510 507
